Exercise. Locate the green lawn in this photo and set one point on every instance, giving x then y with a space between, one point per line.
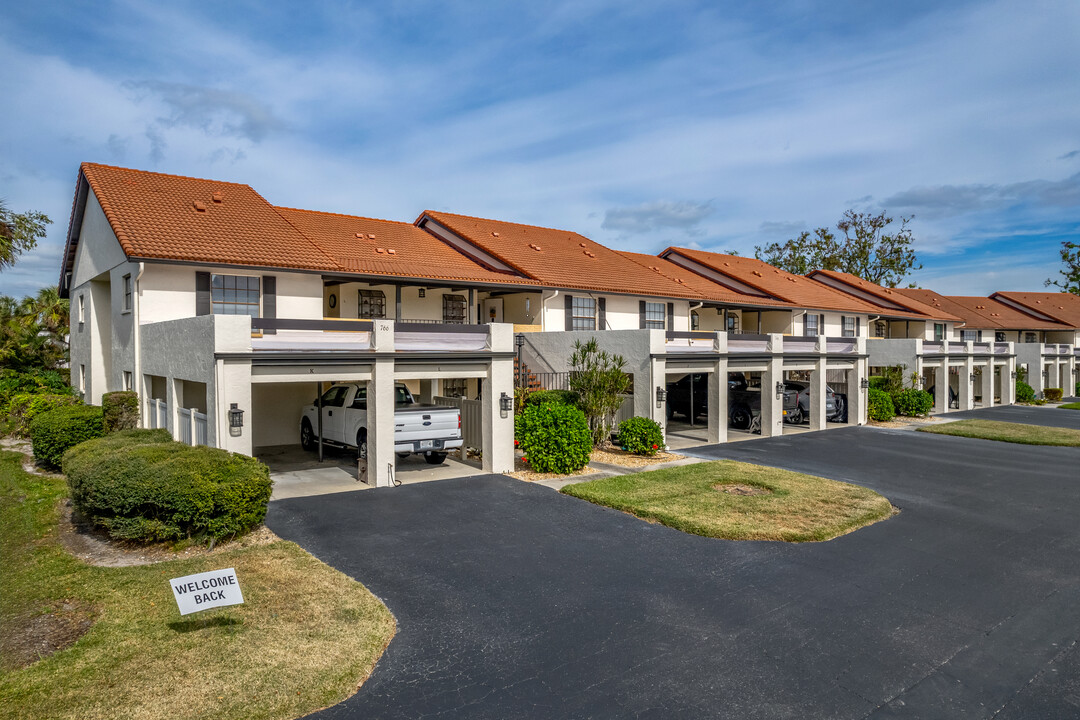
305 638
1070 406
789 506
1008 432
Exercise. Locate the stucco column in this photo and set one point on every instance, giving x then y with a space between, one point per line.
967 387
380 406
1008 382
941 387
988 383
718 394
817 387
859 408
498 431
427 392
658 376
772 407
233 386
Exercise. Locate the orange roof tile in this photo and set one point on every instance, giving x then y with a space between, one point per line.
709 290
558 258
892 296
189 219
1063 307
981 312
385 247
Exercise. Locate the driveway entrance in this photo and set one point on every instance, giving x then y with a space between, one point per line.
514 601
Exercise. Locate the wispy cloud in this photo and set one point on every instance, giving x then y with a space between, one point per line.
658 215
949 200
211 110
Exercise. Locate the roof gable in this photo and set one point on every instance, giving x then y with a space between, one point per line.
888 299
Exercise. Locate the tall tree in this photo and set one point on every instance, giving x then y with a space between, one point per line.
33 332
867 249
1070 273
19 232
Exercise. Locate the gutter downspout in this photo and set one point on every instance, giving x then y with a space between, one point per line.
690 319
543 310
869 322
136 332
794 318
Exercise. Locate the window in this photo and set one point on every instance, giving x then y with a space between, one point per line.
584 314
127 380
999 337
810 326
455 387
234 295
1030 337
335 396
939 332
733 324
127 293
655 315
454 309
972 335
695 321
372 304
401 397
82 309
881 328
847 326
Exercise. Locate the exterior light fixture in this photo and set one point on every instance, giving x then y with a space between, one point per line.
661 396
972 377
506 405
1013 374
864 383
423 292
519 340
779 389
236 420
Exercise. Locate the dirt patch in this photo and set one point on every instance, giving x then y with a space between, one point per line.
740 489
614 456
94 547
902 422
29 638
522 471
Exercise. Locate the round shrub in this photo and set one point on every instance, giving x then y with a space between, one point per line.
880 406
541 397
140 485
912 402
53 432
641 436
1053 394
554 437
1024 392
121 409
24 407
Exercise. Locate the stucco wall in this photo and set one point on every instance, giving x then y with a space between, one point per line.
622 311
276 411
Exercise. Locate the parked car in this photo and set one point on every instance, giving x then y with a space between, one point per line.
799 409
954 398
744 403
427 430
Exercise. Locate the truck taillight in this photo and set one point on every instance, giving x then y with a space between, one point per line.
459 421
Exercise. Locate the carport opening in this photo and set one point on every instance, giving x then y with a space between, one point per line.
687 408
744 404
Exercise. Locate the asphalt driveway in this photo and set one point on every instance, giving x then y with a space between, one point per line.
1026 414
516 602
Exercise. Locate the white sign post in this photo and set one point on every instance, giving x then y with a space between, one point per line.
203 591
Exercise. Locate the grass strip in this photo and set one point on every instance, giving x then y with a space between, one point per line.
1008 432
1070 406
304 639
739 501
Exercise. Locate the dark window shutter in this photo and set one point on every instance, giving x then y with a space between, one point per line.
202 293
671 316
601 305
821 325
858 326
641 314
269 299
569 300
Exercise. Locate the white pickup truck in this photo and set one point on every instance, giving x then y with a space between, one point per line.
428 430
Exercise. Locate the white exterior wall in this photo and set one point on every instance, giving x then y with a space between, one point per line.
622 311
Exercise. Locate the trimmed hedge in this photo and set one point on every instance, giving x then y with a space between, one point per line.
541 397
641 436
1024 392
141 485
912 402
1053 394
121 409
24 407
55 431
880 406
553 437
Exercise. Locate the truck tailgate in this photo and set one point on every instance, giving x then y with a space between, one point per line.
425 422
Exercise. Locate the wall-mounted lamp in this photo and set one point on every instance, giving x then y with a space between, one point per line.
423 292
864 383
236 420
779 389
1013 374
661 396
972 377
506 405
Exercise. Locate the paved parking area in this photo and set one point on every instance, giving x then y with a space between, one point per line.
516 602
1027 414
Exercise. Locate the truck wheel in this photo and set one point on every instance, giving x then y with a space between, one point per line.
361 444
741 417
435 458
307 437
794 416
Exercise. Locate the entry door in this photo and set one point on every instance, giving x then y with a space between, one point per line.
492 311
333 413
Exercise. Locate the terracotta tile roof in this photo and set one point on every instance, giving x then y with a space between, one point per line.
1063 307
888 296
707 289
385 247
559 258
795 289
171 217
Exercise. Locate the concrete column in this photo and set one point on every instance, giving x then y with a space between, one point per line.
772 407
941 387
967 387
817 387
1008 383
380 406
658 377
234 386
988 384
427 392
718 394
859 398
498 431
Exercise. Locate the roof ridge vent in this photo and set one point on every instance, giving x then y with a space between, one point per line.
494 234
391 251
756 272
381 251
219 197
199 205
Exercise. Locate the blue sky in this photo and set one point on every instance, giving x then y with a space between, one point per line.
641 125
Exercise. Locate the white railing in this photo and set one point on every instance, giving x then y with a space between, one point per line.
199 420
157 413
184 422
840 345
1001 348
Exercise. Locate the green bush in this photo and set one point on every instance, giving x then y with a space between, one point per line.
121 409
641 436
24 407
541 397
912 402
13 382
1024 392
880 406
554 437
140 485
53 432
1053 394
878 383
1076 390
